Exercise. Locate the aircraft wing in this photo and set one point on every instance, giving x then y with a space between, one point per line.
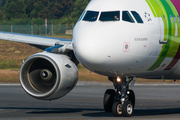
41 42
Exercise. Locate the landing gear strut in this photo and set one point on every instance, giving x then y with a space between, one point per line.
120 101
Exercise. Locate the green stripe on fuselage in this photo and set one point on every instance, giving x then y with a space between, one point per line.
152 8
174 45
169 49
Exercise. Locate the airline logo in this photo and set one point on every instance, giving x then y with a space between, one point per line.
148 16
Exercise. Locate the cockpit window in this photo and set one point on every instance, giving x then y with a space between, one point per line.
127 17
91 16
110 16
137 17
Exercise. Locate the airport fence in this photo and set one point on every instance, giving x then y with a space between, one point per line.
50 29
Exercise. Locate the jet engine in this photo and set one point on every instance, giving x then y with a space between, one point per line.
48 76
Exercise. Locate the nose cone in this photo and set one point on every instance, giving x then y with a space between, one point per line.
89 48
89 53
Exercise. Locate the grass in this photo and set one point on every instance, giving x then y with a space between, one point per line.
12 48
9 76
9 64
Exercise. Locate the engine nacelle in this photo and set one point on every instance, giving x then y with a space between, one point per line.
48 76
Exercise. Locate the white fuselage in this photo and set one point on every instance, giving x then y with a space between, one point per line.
119 48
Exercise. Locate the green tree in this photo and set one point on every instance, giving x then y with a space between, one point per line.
79 7
14 9
2 2
51 9
29 6
60 8
67 11
1 15
38 7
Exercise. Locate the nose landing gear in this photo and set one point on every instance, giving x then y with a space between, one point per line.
120 101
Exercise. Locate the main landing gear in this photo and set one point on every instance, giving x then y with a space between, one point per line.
120 101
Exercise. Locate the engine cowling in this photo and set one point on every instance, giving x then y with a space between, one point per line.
48 76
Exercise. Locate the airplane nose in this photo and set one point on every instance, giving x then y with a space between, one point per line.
94 45
89 53
88 49
104 49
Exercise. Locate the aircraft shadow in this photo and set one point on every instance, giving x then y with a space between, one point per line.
29 110
151 112
93 112
139 112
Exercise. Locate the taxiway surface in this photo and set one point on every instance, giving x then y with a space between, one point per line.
85 102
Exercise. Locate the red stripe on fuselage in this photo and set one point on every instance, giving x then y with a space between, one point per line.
174 61
176 4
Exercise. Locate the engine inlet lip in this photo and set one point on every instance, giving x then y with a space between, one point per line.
26 85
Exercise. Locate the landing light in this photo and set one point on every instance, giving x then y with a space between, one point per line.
118 79
128 92
122 99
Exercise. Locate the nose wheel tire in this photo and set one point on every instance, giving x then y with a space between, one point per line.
108 100
117 109
127 109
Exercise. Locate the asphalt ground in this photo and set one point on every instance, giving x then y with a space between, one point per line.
85 102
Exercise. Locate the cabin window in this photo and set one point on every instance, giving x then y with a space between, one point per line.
163 16
127 17
110 16
91 16
175 19
171 19
82 15
178 18
137 17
